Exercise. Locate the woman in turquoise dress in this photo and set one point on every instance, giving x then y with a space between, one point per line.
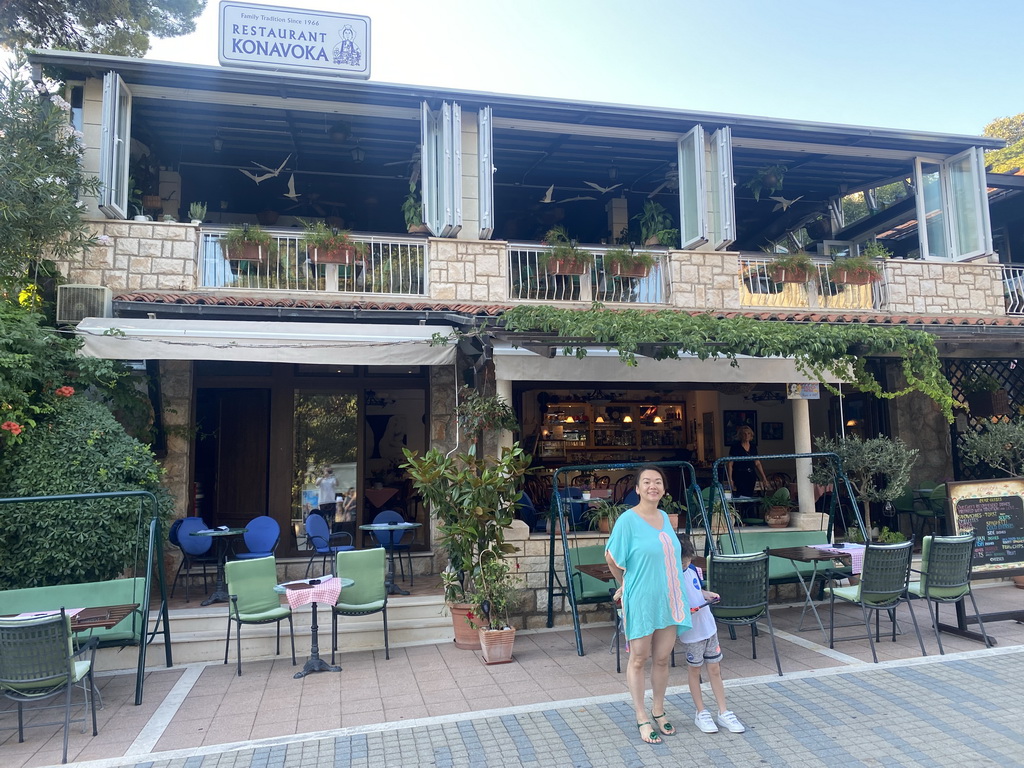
643 554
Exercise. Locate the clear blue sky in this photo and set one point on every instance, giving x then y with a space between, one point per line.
934 65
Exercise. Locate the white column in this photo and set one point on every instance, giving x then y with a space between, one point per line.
802 444
503 389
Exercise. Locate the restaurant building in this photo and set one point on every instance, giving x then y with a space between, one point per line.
268 367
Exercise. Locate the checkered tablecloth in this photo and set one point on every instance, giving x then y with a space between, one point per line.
324 592
855 551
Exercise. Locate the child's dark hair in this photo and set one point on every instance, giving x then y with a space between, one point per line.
687 547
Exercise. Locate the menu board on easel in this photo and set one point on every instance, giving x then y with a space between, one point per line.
993 510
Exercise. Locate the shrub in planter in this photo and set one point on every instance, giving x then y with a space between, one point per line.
246 243
622 262
329 245
861 269
565 257
791 267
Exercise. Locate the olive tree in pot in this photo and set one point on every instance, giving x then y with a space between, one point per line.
473 498
878 468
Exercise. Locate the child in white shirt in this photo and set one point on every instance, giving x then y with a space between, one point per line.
701 646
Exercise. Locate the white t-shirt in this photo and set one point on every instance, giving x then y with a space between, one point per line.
703 621
328 487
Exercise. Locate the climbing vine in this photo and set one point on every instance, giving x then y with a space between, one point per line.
818 349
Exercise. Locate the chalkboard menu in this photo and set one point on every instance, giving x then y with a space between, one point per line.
993 510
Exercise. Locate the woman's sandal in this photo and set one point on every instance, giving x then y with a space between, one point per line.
654 738
666 728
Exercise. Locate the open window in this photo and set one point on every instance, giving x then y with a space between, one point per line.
693 207
952 207
721 199
442 168
115 141
485 172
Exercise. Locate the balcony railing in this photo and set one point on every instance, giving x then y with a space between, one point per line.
758 288
390 265
529 280
1013 289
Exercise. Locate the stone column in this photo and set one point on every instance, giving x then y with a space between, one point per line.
806 517
503 389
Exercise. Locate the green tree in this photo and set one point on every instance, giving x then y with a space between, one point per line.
121 27
1012 155
999 445
41 178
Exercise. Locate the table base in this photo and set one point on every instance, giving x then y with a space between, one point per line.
315 665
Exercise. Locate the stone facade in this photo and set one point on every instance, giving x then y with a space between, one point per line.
941 288
139 256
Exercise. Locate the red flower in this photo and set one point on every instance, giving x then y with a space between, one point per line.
13 427
65 391
469 614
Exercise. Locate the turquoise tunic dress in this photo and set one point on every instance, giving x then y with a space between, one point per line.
652 592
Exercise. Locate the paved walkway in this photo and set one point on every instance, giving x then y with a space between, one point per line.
964 708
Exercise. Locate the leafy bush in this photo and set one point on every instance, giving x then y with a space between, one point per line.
1000 445
80 448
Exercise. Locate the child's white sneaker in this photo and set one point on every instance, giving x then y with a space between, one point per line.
705 722
730 722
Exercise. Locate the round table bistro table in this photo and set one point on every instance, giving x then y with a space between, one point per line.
393 589
325 590
220 538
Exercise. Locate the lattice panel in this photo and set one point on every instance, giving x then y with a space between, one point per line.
963 375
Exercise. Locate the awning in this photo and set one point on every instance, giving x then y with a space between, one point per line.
324 343
518 364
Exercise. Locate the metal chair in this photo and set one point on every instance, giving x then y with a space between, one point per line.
368 568
946 576
883 586
195 550
622 486
932 513
261 537
36 663
253 601
742 583
321 539
386 540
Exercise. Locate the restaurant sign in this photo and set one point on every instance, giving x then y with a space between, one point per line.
270 37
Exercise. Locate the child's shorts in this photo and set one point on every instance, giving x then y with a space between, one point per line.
703 651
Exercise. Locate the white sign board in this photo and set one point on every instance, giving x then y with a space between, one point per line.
803 392
270 37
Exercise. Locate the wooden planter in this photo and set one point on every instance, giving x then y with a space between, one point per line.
856 276
621 270
466 637
496 644
782 275
566 267
345 254
985 405
247 252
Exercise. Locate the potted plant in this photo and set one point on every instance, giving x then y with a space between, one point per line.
565 256
602 514
767 177
197 212
985 395
863 268
473 500
246 243
674 509
791 267
412 210
477 412
494 595
330 245
998 447
622 262
656 225
776 507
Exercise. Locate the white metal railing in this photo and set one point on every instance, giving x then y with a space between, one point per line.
391 264
529 280
1013 289
758 288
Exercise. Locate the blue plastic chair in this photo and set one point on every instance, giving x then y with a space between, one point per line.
261 537
322 541
384 539
195 550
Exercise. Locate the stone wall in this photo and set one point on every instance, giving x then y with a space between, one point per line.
942 288
468 270
138 256
704 280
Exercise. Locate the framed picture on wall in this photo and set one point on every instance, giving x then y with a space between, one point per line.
733 420
771 430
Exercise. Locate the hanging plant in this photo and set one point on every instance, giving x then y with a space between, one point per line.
768 177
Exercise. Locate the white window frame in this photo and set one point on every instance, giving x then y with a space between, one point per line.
723 198
692 188
485 173
441 159
951 207
115 143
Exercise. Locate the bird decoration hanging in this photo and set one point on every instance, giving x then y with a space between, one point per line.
549 197
270 172
291 194
599 188
782 203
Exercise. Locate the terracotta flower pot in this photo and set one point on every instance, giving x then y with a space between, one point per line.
466 637
344 254
496 644
856 277
248 252
621 270
566 267
777 517
781 275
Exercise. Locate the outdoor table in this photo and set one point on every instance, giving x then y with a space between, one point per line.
393 589
814 556
304 591
220 537
101 617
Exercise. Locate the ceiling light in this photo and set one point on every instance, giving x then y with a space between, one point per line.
627 419
358 154
599 420
657 419
218 143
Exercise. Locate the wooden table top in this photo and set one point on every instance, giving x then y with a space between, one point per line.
807 554
101 617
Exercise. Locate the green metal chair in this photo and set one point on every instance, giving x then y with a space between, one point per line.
368 569
946 576
742 583
931 514
37 663
253 601
883 586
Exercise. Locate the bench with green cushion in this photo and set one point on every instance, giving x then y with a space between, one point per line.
587 588
780 570
91 594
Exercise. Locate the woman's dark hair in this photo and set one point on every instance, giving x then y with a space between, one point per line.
687 547
650 468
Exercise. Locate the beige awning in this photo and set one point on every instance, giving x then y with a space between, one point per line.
324 343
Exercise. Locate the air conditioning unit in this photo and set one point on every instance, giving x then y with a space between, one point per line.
77 302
